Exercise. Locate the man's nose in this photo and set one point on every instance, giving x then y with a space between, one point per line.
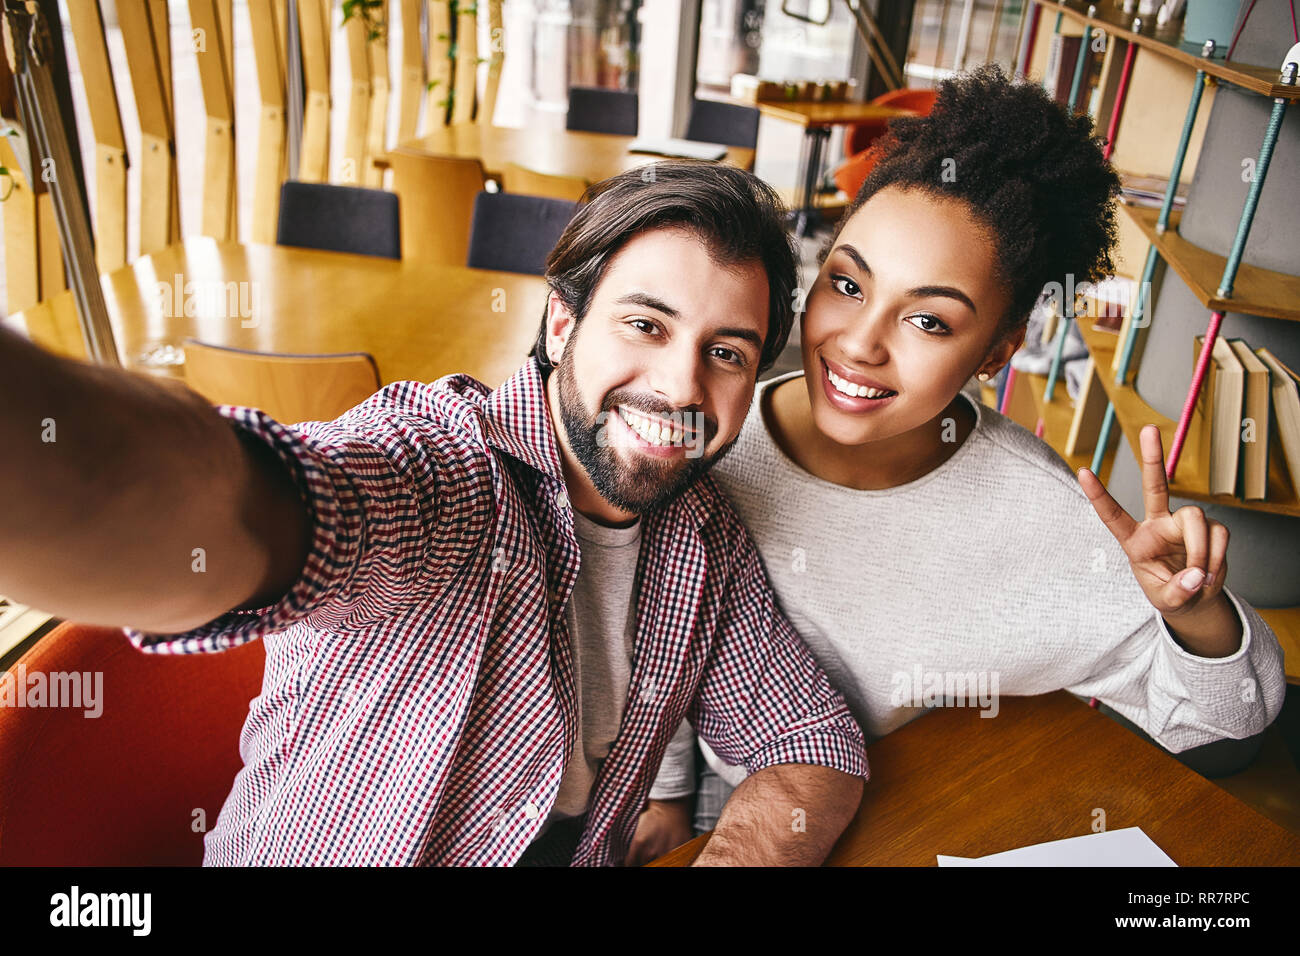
678 377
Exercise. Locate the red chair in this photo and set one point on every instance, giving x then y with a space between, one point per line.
859 138
123 788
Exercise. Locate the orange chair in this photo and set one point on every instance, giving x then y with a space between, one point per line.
859 138
123 788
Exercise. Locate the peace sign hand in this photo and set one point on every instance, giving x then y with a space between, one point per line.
1179 559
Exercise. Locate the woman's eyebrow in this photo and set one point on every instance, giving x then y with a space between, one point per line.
921 291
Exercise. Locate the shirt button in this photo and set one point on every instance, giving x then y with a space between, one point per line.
531 811
649 692
562 500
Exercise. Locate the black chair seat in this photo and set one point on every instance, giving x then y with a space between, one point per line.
340 219
596 110
515 233
726 123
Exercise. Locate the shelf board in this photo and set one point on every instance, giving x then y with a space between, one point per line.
1057 416
1256 291
1285 622
1165 40
1131 413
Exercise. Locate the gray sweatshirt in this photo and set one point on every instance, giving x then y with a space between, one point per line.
991 575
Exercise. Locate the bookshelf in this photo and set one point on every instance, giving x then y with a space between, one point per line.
1131 413
1257 291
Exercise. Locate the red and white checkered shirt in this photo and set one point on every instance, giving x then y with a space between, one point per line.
418 705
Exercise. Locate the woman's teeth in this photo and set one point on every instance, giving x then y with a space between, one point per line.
652 430
845 387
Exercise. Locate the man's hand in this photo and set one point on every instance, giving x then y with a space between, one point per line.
664 825
787 815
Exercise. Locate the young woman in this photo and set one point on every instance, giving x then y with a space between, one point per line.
914 536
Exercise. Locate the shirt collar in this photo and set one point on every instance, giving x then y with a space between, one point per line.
519 424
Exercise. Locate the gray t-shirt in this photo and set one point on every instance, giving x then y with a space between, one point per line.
991 575
601 616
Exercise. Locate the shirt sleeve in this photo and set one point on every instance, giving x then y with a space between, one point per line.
1182 700
676 778
762 699
395 499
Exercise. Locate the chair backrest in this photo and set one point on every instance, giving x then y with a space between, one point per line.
861 135
437 195
340 219
727 123
521 179
596 110
289 388
514 233
121 788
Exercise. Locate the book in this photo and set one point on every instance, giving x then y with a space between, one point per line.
1286 412
1059 72
1255 430
1225 427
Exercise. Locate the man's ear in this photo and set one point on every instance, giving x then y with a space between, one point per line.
559 326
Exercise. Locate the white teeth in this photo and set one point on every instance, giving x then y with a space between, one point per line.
854 390
654 432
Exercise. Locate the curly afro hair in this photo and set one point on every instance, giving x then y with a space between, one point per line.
1033 174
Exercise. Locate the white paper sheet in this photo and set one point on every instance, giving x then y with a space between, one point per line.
1127 847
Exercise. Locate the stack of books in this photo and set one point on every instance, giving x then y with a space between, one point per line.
1249 408
1149 191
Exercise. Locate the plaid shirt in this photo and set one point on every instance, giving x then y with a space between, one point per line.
418 705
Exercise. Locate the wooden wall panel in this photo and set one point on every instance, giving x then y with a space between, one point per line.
268 19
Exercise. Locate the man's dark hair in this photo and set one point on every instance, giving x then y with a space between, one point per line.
1033 175
735 214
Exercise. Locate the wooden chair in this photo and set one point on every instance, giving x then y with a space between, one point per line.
437 195
140 783
529 182
289 388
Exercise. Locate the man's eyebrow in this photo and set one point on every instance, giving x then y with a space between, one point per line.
648 301
920 292
747 335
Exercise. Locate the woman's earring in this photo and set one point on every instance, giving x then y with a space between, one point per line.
984 376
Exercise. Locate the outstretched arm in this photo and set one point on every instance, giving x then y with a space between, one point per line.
128 502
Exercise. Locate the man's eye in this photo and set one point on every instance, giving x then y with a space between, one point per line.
928 323
845 286
643 325
728 355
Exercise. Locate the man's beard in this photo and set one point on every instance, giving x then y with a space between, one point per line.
647 483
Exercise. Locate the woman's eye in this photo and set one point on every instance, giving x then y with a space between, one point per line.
845 286
928 323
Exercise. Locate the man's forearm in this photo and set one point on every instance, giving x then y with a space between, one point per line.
787 815
127 502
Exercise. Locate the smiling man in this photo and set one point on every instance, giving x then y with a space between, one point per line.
485 612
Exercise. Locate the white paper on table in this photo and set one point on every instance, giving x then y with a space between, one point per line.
679 148
1127 847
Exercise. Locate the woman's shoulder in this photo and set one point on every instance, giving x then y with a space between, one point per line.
1021 456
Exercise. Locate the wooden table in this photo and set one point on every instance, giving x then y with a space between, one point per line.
418 321
558 152
955 783
817 119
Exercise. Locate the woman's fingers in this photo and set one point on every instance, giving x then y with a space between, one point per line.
1216 567
1116 519
1155 484
1196 542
